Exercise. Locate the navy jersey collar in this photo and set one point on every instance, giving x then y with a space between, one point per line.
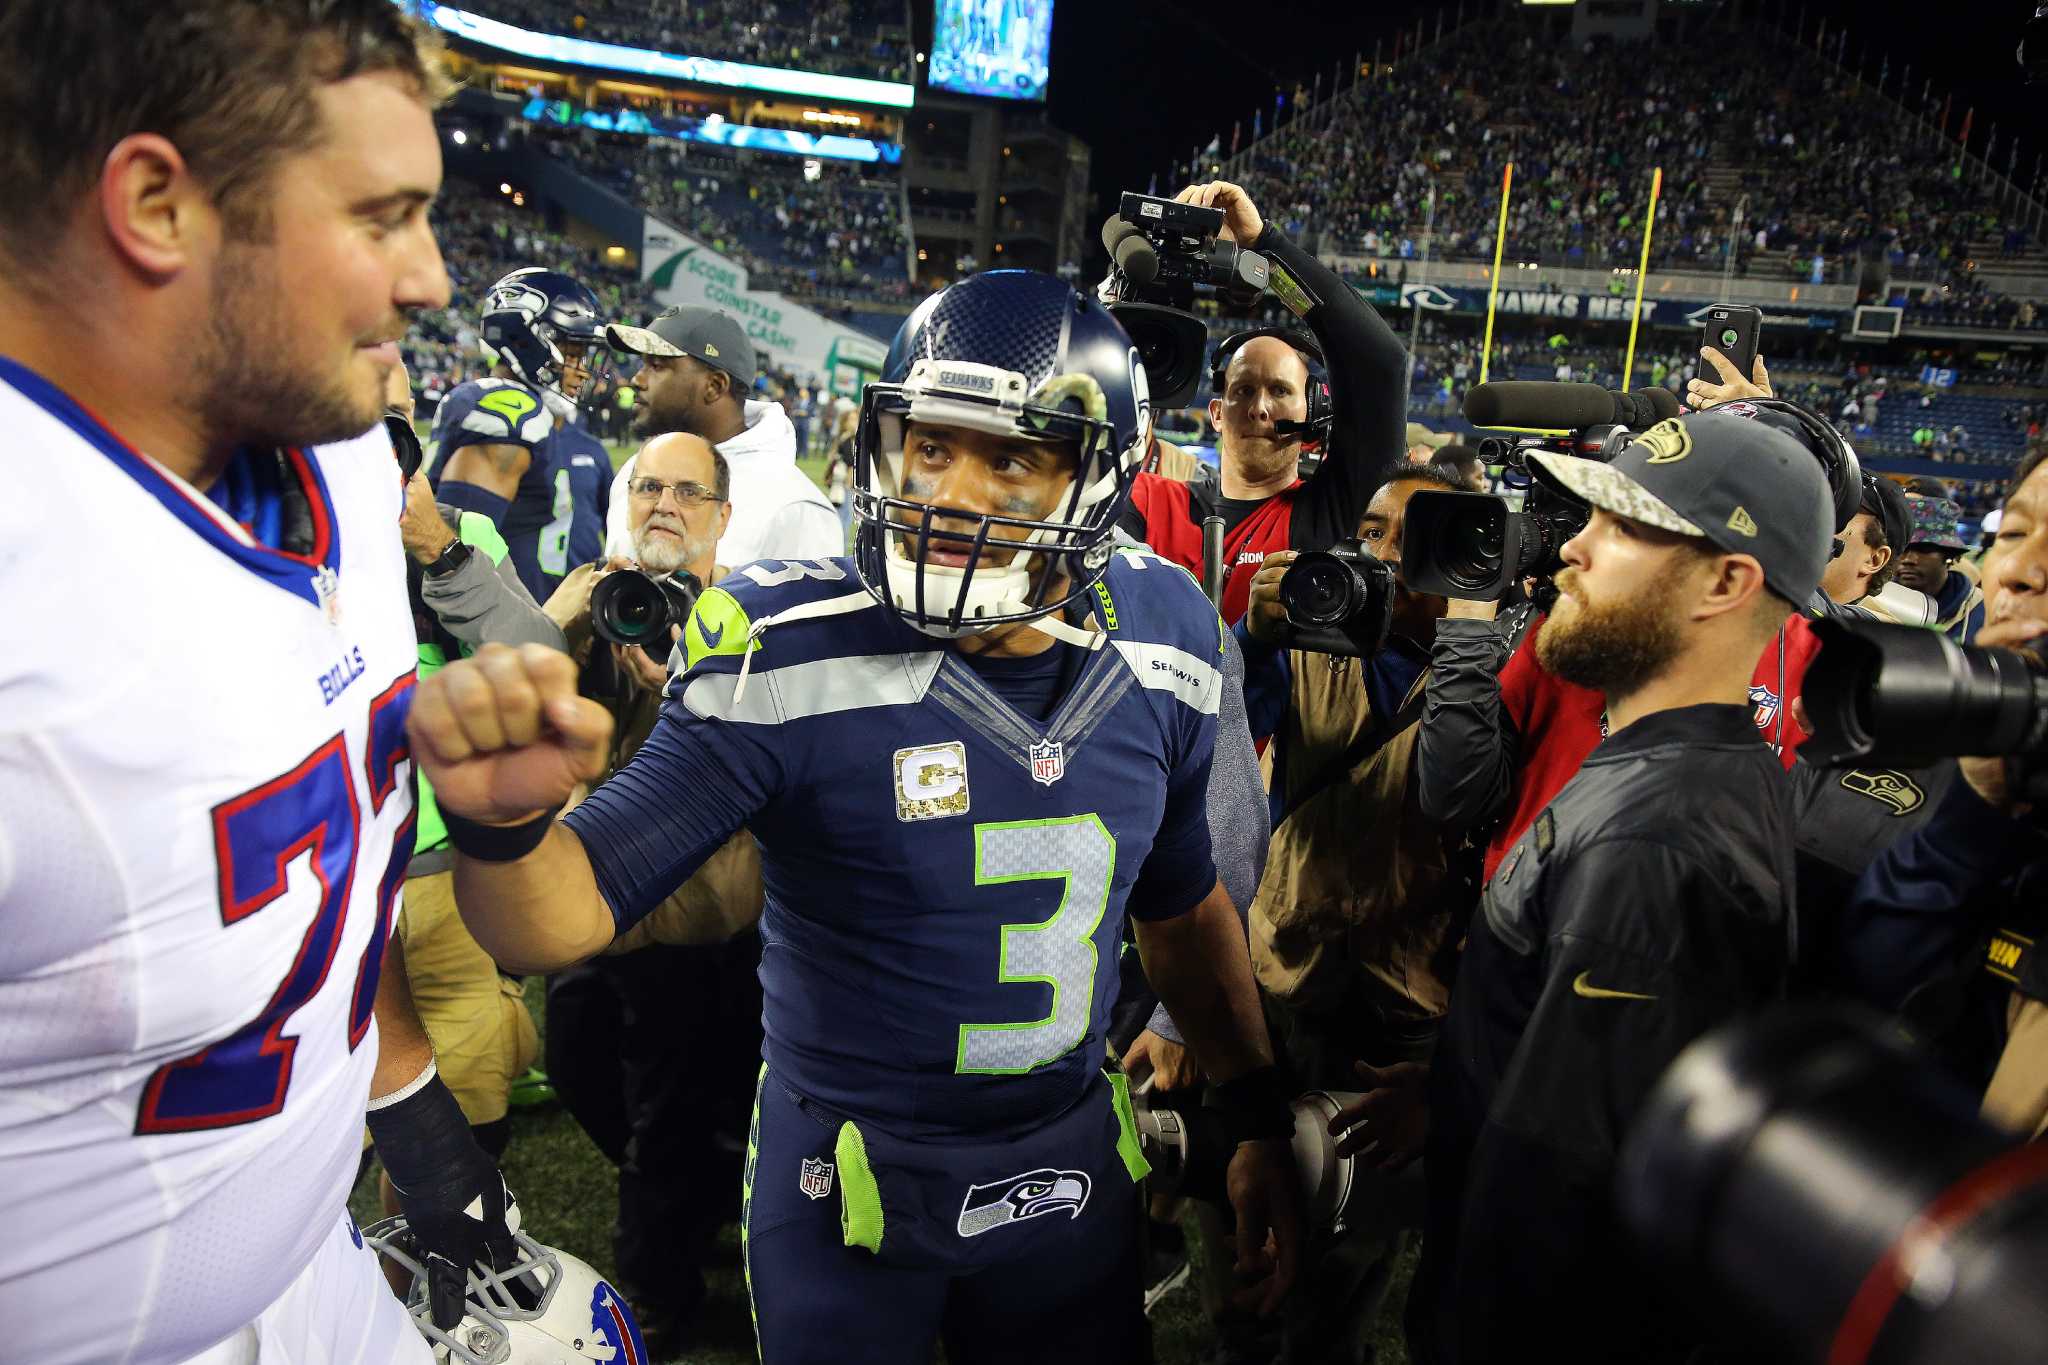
311 577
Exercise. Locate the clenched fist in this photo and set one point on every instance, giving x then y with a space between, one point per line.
504 737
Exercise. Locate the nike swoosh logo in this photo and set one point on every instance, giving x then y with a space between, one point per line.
1583 987
711 637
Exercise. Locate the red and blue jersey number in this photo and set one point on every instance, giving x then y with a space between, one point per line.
311 812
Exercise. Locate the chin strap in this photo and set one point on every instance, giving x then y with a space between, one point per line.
803 611
1051 624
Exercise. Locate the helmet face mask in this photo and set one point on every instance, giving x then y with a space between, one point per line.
530 1311
1015 355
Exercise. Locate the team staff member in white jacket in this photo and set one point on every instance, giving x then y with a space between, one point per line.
697 371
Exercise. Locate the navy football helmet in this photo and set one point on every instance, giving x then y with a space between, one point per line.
527 317
1011 353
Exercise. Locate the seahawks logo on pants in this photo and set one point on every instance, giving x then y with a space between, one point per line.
1030 1195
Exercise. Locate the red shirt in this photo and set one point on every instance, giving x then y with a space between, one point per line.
1559 722
1173 528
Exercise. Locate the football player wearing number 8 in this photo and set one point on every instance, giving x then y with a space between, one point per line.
512 448
967 752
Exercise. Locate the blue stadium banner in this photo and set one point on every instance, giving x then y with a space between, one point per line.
583 52
1435 298
829 146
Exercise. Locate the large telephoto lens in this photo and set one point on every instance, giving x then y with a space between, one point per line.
1910 696
1815 1191
1460 544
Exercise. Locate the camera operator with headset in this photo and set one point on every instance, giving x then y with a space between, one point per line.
1364 899
1262 381
1948 924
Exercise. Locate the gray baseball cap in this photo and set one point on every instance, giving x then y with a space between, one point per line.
702 333
1745 486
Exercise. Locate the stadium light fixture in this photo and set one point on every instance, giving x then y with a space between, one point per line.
458 137
504 188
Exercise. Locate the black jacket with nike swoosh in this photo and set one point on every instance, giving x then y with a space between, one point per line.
1650 901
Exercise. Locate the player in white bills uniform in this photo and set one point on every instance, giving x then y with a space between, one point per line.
205 814
205 796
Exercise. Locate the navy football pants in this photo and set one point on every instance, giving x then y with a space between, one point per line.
983 1245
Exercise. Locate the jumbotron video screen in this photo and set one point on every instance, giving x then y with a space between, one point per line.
992 47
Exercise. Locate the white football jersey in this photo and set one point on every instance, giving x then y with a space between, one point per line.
205 814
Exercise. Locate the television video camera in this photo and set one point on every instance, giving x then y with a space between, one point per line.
1908 696
1163 255
1478 546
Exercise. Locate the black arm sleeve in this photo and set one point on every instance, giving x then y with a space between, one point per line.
1467 749
1368 368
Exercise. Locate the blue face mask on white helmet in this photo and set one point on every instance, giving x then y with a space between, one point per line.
1012 353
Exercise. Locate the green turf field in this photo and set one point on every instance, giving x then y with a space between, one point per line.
568 1196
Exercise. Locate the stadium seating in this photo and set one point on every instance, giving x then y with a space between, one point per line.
484 236
1829 170
845 37
840 236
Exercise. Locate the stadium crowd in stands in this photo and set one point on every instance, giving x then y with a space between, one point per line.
840 233
843 37
1586 125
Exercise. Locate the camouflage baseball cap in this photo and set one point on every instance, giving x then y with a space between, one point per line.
1934 522
1744 485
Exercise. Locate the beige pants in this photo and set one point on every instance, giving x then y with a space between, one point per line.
476 1017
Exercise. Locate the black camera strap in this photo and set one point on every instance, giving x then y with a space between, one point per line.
1378 730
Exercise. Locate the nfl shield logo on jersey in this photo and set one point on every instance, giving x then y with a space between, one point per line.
815 1179
1766 703
1048 761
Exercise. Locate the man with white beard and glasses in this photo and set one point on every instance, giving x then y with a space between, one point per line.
1649 901
627 1042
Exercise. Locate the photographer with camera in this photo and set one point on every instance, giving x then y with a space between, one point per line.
1364 898
1944 925
1265 408
640 1042
1650 900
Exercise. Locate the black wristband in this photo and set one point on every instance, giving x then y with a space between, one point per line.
496 843
452 557
1256 1105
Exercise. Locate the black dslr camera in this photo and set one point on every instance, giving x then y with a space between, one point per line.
1909 696
629 607
1163 255
1338 601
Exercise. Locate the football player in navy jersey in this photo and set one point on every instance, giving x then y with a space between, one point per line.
512 449
967 752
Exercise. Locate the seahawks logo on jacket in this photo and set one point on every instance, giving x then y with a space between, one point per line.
1030 1195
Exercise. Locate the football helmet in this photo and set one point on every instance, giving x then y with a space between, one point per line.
528 315
547 1308
1011 353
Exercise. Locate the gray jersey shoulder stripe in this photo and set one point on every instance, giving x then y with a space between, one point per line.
821 688
1197 682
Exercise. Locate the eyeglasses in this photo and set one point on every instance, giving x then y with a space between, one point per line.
688 494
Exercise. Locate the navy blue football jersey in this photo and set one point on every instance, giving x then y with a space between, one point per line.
946 878
556 518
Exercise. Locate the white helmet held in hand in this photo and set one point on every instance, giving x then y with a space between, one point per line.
549 1308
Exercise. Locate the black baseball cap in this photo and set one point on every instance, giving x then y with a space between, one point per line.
1885 500
1743 485
702 333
